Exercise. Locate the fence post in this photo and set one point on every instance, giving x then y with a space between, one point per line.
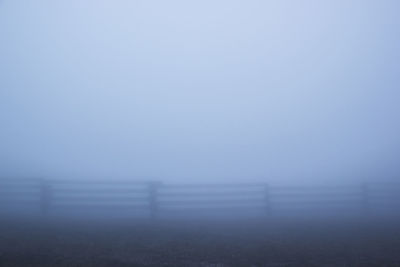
267 200
45 196
153 198
365 199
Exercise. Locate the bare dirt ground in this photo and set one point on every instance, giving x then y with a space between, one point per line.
205 243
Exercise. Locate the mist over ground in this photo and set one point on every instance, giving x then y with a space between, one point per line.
275 91
199 133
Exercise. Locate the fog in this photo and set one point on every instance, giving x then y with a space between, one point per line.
200 91
199 133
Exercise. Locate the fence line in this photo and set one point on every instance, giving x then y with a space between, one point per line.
156 198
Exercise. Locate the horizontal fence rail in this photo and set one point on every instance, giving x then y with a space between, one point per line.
153 198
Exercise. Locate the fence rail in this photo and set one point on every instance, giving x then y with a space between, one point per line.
153 198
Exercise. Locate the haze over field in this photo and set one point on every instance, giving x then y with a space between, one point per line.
280 91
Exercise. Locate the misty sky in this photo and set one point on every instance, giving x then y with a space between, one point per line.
200 90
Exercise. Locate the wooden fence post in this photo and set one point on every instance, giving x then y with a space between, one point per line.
267 200
153 198
365 199
45 196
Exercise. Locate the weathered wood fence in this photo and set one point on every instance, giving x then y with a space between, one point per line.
153 198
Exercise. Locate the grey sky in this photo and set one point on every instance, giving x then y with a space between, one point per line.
190 90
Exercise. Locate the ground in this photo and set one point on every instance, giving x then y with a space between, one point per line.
198 243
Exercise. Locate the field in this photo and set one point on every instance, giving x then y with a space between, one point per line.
198 243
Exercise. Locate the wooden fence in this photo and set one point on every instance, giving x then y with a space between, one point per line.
153 198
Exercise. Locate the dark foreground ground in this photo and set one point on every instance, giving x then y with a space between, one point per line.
206 243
